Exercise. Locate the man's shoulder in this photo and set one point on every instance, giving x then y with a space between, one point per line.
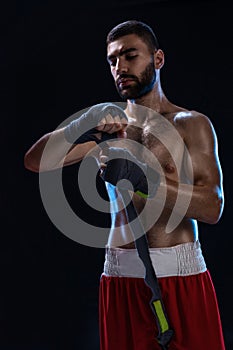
191 118
194 125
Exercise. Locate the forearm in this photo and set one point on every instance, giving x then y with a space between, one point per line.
200 202
70 144
52 151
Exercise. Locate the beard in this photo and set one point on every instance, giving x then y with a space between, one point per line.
143 84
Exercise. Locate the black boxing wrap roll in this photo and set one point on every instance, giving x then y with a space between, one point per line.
122 164
83 129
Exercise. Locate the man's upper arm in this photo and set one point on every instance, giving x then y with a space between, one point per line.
202 146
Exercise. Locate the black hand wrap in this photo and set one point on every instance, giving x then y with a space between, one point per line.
124 165
83 129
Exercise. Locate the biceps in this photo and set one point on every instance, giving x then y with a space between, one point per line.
203 169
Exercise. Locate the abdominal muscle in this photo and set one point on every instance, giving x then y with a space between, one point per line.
121 235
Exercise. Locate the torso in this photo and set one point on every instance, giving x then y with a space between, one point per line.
159 143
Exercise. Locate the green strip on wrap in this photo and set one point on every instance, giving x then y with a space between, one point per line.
159 312
143 195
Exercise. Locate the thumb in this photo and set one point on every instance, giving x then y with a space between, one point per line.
122 134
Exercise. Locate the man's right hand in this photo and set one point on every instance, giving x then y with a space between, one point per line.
121 164
100 123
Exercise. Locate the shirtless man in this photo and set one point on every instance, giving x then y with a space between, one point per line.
184 146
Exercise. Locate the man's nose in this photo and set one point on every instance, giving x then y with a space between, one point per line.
121 66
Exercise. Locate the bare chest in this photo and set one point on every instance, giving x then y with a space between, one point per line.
159 145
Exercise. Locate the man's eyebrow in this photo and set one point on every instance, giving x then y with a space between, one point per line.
131 49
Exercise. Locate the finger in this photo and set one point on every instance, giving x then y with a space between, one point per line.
111 125
103 159
109 119
101 124
122 134
106 124
117 120
124 121
102 169
117 125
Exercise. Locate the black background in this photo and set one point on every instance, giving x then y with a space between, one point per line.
53 63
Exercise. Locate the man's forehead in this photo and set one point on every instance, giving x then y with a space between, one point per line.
124 43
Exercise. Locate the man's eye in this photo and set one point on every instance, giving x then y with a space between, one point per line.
112 63
131 57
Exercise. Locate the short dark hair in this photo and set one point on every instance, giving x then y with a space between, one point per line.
139 28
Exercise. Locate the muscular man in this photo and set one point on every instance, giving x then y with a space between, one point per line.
181 146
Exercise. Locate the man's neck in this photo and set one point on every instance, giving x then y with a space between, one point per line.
155 100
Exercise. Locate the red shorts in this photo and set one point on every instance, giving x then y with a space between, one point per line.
128 323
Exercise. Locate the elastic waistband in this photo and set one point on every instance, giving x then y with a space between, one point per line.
180 260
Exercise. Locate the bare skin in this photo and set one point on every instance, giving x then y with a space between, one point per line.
205 191
193 167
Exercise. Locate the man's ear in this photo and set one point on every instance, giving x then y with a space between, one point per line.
159 59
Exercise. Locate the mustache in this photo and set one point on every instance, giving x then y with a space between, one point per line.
125 76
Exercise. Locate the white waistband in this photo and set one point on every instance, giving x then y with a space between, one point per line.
180 260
